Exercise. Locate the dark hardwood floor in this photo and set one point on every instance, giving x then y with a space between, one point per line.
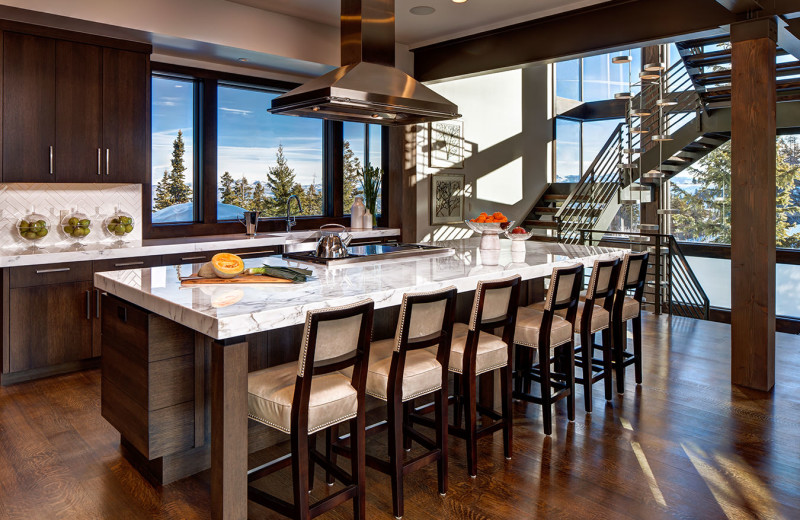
685 444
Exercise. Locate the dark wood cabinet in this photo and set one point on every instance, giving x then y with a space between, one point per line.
79 116
29 105
50 325
74 112
126 109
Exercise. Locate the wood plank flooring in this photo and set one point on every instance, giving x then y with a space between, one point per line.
685 444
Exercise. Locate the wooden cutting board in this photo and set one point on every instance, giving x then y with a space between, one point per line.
241 279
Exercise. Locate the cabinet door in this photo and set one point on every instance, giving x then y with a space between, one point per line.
28 108
50 325
126 112
79 119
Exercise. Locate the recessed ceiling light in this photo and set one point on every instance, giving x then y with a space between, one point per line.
242 59
422 10
459 1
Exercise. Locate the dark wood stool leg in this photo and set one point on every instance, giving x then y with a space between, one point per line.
505 387
608 350
440 409
544 369
620 341
459 401
395 417
300 475
569 366
358 464
331 436
637 347
586 362
470 381
518 368
407 407
312 466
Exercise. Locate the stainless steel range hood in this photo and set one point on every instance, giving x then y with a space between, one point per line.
367 88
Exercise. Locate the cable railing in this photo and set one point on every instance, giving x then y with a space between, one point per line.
614 166
671 284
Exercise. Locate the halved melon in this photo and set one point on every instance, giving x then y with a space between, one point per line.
227 265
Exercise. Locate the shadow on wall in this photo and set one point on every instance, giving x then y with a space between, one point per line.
509 173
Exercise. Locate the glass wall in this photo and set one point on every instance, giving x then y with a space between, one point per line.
362 146
596 78
173 137
577 145
263 159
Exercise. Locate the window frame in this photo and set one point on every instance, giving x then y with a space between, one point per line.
205 151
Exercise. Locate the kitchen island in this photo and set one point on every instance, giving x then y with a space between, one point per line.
153 325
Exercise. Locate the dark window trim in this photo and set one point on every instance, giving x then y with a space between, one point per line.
206 163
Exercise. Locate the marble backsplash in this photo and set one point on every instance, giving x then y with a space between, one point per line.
54 201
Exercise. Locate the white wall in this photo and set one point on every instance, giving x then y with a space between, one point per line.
508 133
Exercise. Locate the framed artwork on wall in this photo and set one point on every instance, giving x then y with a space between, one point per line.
447 198
446 144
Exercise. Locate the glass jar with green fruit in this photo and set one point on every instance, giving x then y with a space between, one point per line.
76 226
119 225
33 227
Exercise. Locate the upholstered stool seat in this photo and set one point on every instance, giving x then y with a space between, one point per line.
422 374
492 351
630 307
269 398
529 324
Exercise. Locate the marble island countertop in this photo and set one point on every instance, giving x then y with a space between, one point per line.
16 256
225 311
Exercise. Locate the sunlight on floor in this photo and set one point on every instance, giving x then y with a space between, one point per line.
646 469
733 482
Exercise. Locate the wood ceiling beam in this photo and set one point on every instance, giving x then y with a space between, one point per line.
617 24
741 6
789 36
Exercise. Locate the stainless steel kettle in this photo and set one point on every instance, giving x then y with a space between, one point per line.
332 244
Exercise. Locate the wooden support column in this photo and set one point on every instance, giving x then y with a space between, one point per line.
753 200
229 429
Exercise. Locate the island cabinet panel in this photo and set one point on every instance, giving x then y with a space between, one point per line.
29 105
126 109
49 325
149 380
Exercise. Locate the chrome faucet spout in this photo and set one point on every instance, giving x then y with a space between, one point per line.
290 219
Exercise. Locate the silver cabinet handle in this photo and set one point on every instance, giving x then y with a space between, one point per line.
51 160
125 264
89 304
193 258
59 270
99 161
108 159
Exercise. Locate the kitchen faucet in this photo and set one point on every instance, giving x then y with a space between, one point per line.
290 220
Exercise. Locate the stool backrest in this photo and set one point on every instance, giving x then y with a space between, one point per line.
603 284
335 338
426 319
565 289
633 274
495 303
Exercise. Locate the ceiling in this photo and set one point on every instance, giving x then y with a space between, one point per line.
450 20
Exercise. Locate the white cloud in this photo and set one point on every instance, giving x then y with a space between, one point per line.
238 111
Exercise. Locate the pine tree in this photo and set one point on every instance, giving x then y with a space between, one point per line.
312 200
172 188
351 177
259 202
280 181
242 194
226 188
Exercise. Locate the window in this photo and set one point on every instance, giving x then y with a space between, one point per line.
224 153
362 146
596 78
263 159
577 145
173 161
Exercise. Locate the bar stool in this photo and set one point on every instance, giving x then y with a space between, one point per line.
593 316
411 365
552 336
311 395
631 281
475 350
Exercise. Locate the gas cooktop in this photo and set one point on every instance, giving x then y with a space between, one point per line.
371 253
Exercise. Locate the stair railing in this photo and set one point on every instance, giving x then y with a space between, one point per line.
671 283
607 174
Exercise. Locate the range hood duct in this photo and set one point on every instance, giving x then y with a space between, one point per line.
367 88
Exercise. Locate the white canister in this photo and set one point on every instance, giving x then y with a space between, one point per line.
367 220
357 214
